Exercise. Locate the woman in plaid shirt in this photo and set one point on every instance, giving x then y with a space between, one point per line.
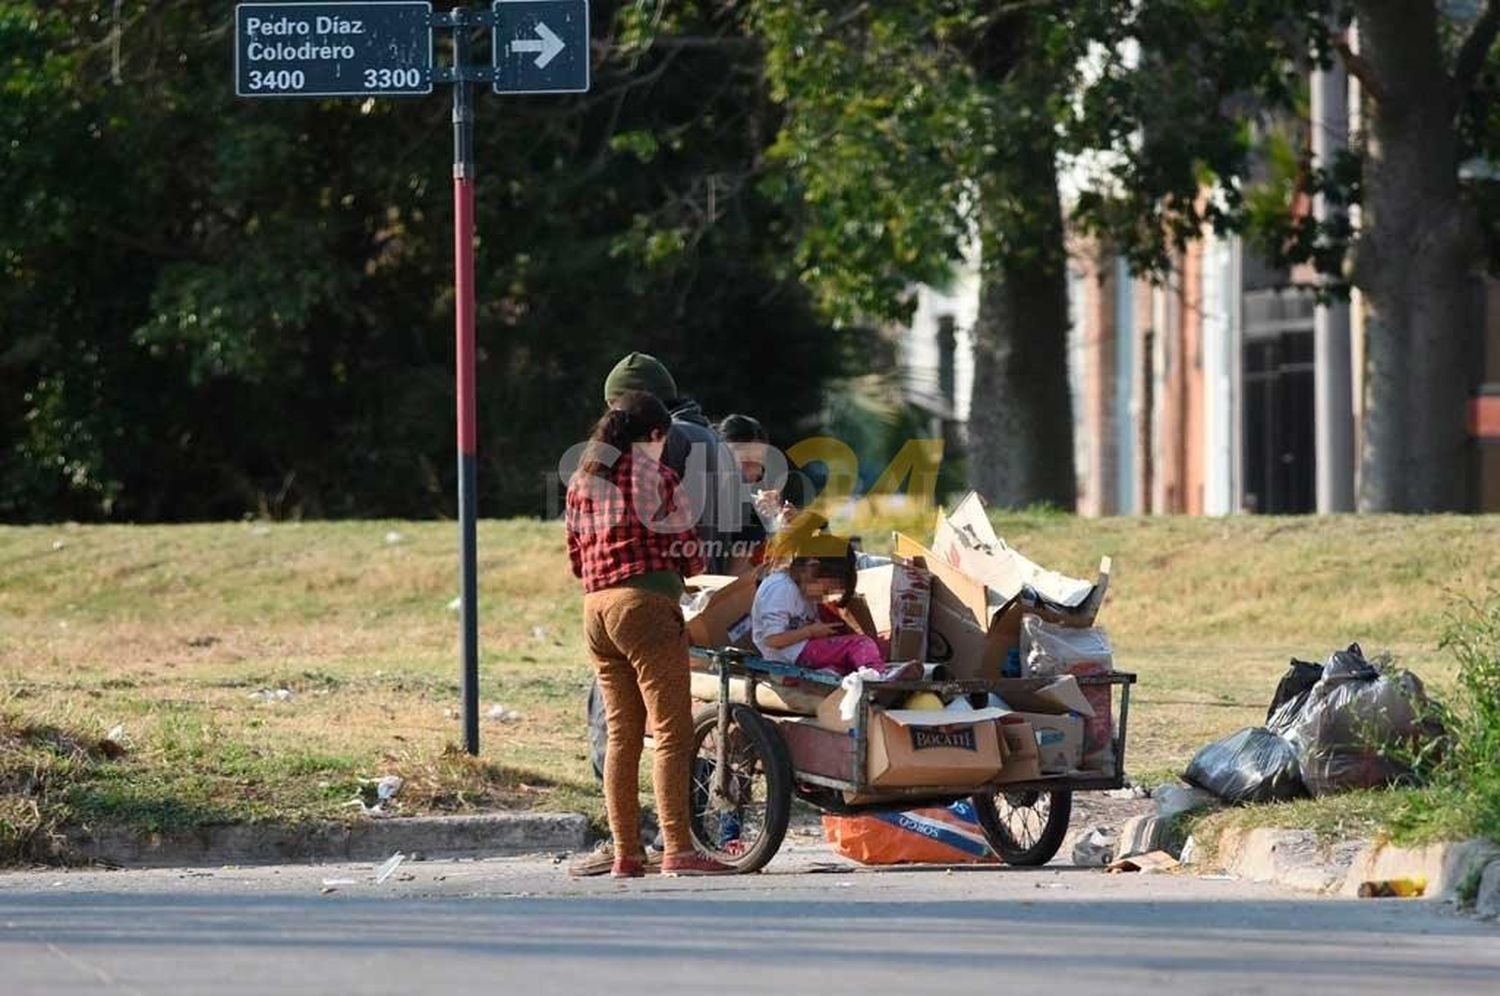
631 541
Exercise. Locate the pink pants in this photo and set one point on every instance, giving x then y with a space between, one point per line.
842 654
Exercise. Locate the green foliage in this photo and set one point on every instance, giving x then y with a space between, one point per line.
906 128
213 307
1471 773
1188 94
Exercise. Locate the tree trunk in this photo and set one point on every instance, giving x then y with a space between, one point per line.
1414 265
1020 415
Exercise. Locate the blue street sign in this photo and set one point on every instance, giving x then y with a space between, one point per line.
541 46
332 49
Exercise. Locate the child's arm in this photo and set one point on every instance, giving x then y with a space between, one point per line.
812 631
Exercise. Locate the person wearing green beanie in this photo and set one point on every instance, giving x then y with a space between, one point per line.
692 439
640 372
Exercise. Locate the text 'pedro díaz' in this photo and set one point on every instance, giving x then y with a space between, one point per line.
321 36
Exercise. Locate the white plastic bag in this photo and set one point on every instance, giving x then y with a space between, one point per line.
1048 650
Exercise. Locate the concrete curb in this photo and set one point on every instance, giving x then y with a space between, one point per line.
1293 858
1297 860
1446 866
484 835
1488 901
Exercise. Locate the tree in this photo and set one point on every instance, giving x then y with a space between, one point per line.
213 307
916 131
1416 256
1183 114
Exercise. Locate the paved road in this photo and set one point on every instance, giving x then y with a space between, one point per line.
810 924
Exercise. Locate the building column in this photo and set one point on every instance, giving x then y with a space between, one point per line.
1333 378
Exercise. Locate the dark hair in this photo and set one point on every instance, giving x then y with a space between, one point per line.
842 568
742 429
633 417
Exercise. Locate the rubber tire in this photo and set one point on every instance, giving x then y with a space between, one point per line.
766 741
1047 844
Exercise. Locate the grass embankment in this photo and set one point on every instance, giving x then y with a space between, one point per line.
169 631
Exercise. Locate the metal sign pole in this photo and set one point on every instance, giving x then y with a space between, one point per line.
351 49
463 271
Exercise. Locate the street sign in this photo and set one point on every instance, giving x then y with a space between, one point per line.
541 46
332 49
385 49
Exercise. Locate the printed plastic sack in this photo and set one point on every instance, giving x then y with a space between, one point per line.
1253 765
947 835
1048 650
1360 728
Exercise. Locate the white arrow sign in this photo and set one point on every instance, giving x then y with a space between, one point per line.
546 45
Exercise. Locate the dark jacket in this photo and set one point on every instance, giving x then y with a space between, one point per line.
710 484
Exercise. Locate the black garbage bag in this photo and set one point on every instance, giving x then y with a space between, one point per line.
1253 765
1292 693
1360 728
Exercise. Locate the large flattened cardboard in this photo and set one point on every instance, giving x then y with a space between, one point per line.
972 627
966 539
770 696
725 620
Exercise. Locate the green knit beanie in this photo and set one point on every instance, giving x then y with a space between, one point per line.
640 372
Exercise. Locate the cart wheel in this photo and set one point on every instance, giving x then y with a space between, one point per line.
760 788
1024 828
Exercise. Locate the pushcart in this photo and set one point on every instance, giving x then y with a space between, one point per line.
751 763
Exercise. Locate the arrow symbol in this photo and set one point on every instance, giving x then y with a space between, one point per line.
546 45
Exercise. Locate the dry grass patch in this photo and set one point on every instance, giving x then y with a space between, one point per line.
170 630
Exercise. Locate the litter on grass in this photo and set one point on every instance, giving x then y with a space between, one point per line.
388 867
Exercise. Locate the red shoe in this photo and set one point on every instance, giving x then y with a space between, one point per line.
694 864
629 868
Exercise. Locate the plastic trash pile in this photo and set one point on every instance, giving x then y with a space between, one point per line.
1346 724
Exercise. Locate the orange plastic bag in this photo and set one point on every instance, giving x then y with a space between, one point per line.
947 835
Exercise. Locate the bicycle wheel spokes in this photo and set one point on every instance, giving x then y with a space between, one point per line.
1024 817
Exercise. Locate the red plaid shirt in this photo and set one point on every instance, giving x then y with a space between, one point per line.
627 522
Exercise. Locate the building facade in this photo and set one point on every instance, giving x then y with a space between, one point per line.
1192 395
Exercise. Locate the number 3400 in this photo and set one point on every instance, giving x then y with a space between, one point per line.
277 79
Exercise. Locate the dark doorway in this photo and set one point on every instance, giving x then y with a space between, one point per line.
1279 444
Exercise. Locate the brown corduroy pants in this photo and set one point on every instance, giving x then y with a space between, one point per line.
640 650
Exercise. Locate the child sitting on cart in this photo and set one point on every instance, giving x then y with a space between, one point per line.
792 623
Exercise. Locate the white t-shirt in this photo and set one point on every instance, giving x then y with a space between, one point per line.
780 607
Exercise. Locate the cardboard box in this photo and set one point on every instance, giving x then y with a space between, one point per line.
872 586
724 618
962 604
1059 741
911 598
916 748
1022 763
1055 709
956 640
898 596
